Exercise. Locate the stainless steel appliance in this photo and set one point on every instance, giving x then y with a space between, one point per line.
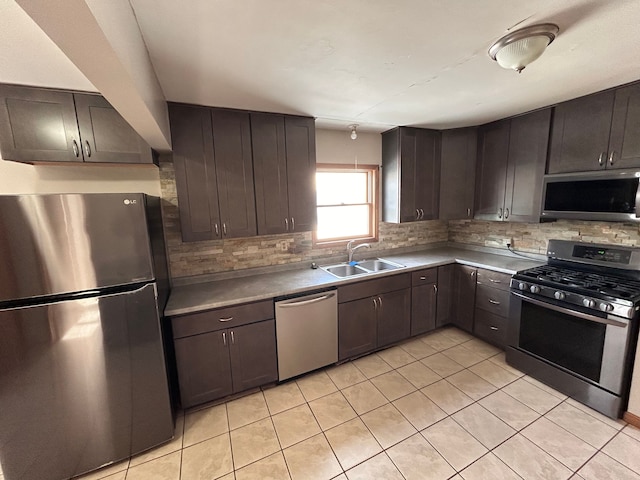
83 380
573 323
609 195
307 333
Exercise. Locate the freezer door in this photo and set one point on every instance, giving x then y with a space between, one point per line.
56 244
82 384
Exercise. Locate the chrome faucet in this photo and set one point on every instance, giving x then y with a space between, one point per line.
351 249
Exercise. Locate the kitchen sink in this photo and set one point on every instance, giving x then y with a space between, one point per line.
343 270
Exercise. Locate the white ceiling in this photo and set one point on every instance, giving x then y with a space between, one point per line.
377 63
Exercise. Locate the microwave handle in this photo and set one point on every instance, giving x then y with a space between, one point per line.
573 313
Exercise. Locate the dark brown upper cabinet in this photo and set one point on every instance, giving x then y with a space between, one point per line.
410 174
510 169
42 125
597 132
458 173
214 172
284 162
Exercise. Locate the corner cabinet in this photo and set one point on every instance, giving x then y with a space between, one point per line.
42 125
284 162
510 169
458 173
224 351
214 172
597 132
410 174
373 314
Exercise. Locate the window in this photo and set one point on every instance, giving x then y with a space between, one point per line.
346 202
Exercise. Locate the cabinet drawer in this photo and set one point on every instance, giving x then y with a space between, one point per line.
369 288
492 300
422 277
493 279
490 327
220 318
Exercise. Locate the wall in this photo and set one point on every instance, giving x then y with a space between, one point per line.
17 178
533 237
332 146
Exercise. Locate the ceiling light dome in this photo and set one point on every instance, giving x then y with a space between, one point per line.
519 48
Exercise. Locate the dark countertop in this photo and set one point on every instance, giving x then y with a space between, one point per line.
196 297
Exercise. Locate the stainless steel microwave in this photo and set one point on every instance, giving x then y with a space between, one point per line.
610 195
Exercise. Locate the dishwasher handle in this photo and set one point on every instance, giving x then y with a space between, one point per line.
306 302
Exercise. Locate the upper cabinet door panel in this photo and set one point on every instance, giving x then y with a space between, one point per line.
528 142
427 174
458 173
106 136
195 172
624 142
38 125
301 170
234 169
409 154
580 134
491 170
270 173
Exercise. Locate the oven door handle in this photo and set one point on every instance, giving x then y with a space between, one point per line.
575 313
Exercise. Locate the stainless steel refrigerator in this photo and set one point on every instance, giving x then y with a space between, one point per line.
83 380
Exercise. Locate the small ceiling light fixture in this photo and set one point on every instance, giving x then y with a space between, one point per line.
354 134
519 48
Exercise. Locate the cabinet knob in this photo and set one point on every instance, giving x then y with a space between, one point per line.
233 340
493 328
286 224
417 214
293 224
76 150
224 228
506 213
87 148
611 157
375 304
494 302
227 319
601 159
224 338
500 212
435 288
421 214
468 212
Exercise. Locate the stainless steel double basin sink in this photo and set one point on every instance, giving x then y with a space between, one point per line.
365 267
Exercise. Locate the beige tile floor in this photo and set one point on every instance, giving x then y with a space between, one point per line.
443 406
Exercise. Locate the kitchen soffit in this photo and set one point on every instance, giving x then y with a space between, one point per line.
375 63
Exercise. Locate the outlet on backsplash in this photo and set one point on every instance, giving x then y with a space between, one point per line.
283 245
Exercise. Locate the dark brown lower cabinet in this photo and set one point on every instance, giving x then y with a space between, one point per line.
444 300
357 328
215 364
492 306
464 296
373 314
424 292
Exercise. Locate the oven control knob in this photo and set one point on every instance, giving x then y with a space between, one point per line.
523 286
587 302
534 289
606 307
559 295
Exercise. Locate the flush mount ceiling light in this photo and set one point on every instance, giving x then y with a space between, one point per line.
354 134
519 48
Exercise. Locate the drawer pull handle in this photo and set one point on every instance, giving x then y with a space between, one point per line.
495 302
224 339
423 278
493 328
233 340
494 281
435 288
227 319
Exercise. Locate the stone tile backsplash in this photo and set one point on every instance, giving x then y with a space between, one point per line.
199 258
533 237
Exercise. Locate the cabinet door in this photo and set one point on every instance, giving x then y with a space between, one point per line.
234 170
253 355
204 368
580 134
106 136
528 141
409 154
423 308
394 316
427 174
38 125
444 299
624 142
458 173
270 173
465 296
195 172
301 172
491 170
357 328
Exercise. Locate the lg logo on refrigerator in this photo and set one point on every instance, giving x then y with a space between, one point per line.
130 202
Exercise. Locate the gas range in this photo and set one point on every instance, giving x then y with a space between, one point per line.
602 278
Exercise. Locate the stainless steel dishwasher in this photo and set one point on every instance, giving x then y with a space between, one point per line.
307 333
